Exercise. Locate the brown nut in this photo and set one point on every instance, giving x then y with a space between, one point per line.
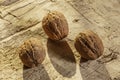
32 52
55 25
89 45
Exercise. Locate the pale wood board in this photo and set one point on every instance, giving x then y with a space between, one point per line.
21 20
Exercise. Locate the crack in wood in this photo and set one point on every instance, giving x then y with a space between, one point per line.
18 8
13 15
8 2
110 57
33 8
17 33
5 19
27 11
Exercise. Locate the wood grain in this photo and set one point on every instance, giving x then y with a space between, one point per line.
21 20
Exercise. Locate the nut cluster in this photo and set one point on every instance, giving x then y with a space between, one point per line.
55 25
89 45
32 53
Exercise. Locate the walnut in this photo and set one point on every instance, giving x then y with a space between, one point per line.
55 25
89 45
32 52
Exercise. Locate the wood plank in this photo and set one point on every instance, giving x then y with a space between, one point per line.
21 20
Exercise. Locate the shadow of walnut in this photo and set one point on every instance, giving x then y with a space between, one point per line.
36 73
62 57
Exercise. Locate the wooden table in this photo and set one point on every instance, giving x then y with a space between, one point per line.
21 20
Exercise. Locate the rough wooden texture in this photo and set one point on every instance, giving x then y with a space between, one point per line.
21 20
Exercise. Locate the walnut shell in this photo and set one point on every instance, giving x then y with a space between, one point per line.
89 45
32 52
55 25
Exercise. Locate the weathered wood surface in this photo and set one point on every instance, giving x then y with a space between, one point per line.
21 19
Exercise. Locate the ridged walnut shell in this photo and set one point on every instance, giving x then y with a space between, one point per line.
89 45
55 25
32 52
